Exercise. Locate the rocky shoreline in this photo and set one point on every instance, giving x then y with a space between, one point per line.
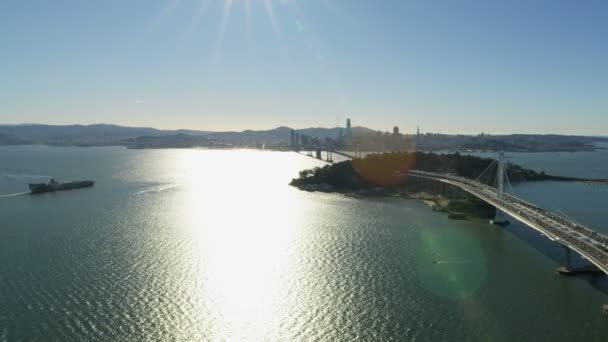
455 208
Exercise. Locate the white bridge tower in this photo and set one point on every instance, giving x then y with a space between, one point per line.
500 219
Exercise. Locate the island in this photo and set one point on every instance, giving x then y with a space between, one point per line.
387 175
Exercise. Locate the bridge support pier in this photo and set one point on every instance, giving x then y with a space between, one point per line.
500 219
567 256
569 270
318 154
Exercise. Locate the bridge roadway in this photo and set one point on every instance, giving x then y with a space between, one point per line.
586 242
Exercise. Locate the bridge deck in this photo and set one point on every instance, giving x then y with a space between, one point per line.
313 148
586 242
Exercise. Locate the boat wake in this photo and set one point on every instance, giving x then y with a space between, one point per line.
24 176
14 195
157 189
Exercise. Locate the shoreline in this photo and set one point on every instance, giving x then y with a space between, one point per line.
455 208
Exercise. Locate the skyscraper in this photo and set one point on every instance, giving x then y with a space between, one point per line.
349 131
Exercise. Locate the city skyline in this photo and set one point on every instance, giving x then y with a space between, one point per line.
232 65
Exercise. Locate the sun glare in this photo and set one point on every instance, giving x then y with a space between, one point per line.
227 6
243 255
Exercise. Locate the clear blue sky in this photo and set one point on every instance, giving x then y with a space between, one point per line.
529 66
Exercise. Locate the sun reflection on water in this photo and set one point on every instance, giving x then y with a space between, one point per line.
241 242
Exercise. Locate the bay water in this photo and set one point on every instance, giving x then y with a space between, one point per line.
209 245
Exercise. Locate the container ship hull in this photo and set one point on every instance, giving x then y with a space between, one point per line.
40 188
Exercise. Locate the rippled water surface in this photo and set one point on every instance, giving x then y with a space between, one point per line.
213 245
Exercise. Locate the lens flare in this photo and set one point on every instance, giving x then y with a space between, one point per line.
272 18
384 171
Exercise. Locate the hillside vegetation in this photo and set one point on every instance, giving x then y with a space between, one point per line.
390 169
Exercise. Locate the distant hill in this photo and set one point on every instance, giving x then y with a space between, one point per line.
104 134
248 137
509 143
6 139
73 134
86 135
278 135
179 140
368 139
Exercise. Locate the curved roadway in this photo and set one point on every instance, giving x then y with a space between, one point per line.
586 242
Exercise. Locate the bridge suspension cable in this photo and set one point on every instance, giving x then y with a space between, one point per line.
591 245
479 178
508 180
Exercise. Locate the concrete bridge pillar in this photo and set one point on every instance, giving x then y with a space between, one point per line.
318 155
499 219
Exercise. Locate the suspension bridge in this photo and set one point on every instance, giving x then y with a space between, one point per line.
329 153
573 236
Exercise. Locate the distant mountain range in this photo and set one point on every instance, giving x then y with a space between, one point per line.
279 134
104 134
100 134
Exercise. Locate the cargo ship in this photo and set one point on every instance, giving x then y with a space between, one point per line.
53 185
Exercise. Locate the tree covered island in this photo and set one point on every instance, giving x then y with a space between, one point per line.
387 175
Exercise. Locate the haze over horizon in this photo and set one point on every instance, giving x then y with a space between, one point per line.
231 65
270 128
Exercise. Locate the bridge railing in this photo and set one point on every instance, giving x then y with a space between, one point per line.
592 249
569 223
598 237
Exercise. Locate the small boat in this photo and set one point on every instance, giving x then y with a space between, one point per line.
500 223
457 216
53 185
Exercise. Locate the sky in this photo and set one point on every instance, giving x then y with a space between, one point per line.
517 66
